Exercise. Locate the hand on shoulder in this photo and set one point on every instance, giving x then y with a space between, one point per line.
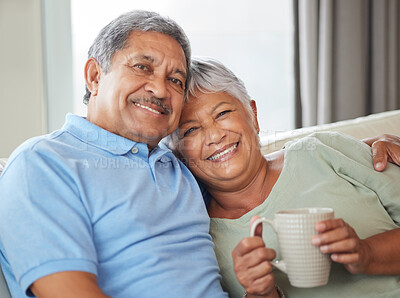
385 148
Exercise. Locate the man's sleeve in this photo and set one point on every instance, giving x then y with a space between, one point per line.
44 225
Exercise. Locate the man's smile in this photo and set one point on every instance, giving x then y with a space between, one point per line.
147 108
153 105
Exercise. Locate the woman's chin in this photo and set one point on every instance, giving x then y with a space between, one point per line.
222 175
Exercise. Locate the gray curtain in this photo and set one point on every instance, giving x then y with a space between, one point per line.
347 59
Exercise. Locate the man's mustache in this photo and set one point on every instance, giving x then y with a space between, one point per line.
153 100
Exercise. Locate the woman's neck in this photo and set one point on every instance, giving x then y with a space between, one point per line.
227 203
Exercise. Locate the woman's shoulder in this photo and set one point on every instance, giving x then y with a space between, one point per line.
332 145
331 139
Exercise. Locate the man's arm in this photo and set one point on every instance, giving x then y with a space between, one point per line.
67 284
385 148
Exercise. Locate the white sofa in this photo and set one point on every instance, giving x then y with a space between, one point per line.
360 128
363 127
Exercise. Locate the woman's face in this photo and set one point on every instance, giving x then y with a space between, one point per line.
218 139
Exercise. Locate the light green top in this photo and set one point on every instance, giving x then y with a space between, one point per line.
323 170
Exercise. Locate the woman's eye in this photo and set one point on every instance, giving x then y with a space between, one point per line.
176 82
189 131
223 113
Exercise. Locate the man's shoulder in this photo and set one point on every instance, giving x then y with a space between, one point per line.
56 144
34 144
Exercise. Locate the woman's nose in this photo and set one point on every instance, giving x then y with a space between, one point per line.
214 134
158 87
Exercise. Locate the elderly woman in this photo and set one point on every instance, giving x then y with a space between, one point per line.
217 138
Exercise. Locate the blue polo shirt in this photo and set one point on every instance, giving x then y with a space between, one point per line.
85 199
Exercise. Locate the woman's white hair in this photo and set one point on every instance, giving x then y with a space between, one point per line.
211 76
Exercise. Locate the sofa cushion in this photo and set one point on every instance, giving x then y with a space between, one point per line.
4 293
3 162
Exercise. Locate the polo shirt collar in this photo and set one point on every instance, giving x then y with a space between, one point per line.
96 136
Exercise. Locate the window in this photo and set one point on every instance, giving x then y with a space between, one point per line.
253 38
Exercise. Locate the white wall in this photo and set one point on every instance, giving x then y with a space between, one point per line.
30 56
58 61
22 101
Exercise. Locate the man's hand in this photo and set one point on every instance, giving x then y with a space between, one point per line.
67 284
384 148
252 266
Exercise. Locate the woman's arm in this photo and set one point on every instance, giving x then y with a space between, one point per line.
384 148
378 254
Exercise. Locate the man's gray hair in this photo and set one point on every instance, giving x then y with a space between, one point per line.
113 37
211 76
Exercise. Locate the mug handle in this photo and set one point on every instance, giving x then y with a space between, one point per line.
279 264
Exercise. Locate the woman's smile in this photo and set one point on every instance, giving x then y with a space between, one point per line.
224 153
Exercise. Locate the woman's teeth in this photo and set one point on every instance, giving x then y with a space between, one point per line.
147 108
219 155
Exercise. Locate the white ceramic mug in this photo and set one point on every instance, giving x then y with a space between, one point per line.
303 262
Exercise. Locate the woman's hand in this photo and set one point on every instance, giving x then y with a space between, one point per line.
341 241
384 148
252 266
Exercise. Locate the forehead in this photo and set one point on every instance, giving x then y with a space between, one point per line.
206 103
156 46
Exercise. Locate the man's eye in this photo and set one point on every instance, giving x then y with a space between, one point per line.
142 67
176 82
189 131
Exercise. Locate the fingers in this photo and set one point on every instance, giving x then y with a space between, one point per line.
330 224
256 257
252 251
346 258
384 148
341 241
259 229
370 141
336 236
252 265
343 246
257 280
262 286
247 245
256 272
379 155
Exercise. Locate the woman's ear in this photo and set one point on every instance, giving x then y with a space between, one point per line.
254 108
92 75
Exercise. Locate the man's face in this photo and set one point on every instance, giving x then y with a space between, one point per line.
141 97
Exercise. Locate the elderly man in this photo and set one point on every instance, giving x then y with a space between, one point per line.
97 208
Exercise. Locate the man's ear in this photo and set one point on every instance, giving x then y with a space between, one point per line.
254 108
92 75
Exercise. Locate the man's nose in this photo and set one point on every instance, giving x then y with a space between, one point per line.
158 87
